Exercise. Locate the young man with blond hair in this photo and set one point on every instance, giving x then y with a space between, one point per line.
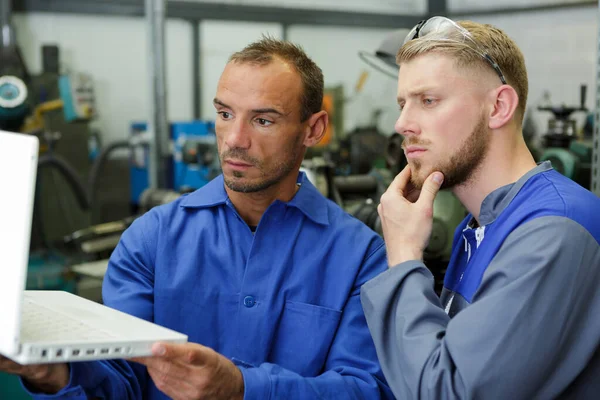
518 316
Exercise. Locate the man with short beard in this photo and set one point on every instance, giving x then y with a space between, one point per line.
260 270
518 315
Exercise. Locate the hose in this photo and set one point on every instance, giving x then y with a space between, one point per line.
72 178
70 175
97 168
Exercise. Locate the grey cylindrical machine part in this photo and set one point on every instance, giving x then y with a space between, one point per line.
355 183
155 197
158 126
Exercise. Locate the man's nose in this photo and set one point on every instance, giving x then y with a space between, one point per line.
238 135
406 124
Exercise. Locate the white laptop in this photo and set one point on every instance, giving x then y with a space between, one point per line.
52 326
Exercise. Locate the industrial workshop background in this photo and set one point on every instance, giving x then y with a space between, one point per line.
120 94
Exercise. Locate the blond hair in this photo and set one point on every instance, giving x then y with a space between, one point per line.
487 39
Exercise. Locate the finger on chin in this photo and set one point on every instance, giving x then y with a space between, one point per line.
431 188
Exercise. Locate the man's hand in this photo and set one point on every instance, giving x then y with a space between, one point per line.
407 216
44 378
191 371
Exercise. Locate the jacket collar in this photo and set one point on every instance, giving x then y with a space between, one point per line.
308 199
500 198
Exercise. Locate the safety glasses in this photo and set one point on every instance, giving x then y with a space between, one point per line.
444 29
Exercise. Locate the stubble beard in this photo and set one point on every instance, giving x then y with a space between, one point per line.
268 176
461 166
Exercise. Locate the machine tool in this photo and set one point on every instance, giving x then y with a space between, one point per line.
193 163
14 77
569 152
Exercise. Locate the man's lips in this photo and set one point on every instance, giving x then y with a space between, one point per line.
238 164
412 151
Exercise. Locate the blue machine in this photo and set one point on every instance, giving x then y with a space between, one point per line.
194 161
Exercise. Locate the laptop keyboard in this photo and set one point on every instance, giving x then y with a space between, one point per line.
41 323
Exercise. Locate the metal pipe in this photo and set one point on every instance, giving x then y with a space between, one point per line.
437 7
158 126
197 69
356 183
285 31
70 175
8 37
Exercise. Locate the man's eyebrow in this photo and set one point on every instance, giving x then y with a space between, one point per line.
267 111
219 102
255 111
414 93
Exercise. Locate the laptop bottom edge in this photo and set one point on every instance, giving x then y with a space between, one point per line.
39 353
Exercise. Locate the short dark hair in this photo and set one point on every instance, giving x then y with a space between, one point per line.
265 50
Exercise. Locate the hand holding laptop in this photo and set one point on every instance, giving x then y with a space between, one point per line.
191 370
46 378
53 326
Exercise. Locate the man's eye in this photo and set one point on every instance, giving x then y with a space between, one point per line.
428 101
263 122
224 114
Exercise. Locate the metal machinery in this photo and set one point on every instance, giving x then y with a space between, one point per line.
569 151
165 160
193 163
37 105
14 96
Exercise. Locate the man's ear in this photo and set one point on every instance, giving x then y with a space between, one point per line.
315 128
505 101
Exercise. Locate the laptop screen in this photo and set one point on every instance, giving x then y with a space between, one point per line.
18 167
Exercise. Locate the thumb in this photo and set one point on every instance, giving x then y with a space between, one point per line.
430 189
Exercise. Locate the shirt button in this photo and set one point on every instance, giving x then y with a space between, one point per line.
249 301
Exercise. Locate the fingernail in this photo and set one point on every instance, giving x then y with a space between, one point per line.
438 178
159 350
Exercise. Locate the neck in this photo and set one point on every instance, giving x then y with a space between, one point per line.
508 159
252 206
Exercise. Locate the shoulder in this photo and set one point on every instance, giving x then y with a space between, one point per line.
176 214
553 250
552 194
550 242
558 230
350 231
